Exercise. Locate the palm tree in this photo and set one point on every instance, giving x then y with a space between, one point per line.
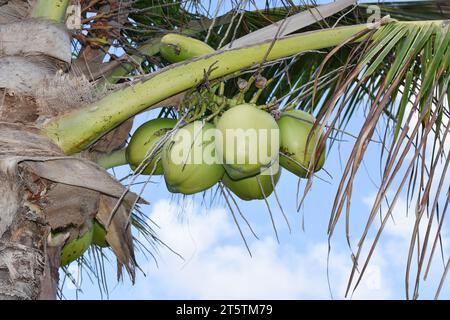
68 103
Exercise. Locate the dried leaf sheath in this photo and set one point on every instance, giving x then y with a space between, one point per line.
36 182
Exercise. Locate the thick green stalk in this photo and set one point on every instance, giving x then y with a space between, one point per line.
114 159
78 129
50 9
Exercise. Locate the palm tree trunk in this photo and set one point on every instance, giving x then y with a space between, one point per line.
27 269
28 265
31 50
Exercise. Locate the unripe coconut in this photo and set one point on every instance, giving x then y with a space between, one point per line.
99 235
176 48
143 141
248 141
252 189
296 150
75 249
189 159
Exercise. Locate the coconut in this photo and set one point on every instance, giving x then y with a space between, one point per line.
189 159
99 235
75 249
249 141
296 150
176 48
142 142
252 189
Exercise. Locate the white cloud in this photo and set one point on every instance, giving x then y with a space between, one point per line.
217 266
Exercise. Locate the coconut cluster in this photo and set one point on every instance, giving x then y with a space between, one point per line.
245 148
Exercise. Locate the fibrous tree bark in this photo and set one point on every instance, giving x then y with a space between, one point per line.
44 192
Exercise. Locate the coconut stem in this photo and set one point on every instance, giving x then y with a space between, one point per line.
258 93
50 9
113 159
78 129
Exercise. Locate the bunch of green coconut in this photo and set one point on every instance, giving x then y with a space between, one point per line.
243 148
250 169
249 164
154 148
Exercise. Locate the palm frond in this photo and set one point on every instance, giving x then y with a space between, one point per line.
412 58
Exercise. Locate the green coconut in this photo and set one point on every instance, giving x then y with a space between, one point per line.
189 159
296 151
99 235
252 189
142 142
176 48
249 141
75 248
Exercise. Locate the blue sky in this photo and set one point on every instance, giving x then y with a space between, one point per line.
217 265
